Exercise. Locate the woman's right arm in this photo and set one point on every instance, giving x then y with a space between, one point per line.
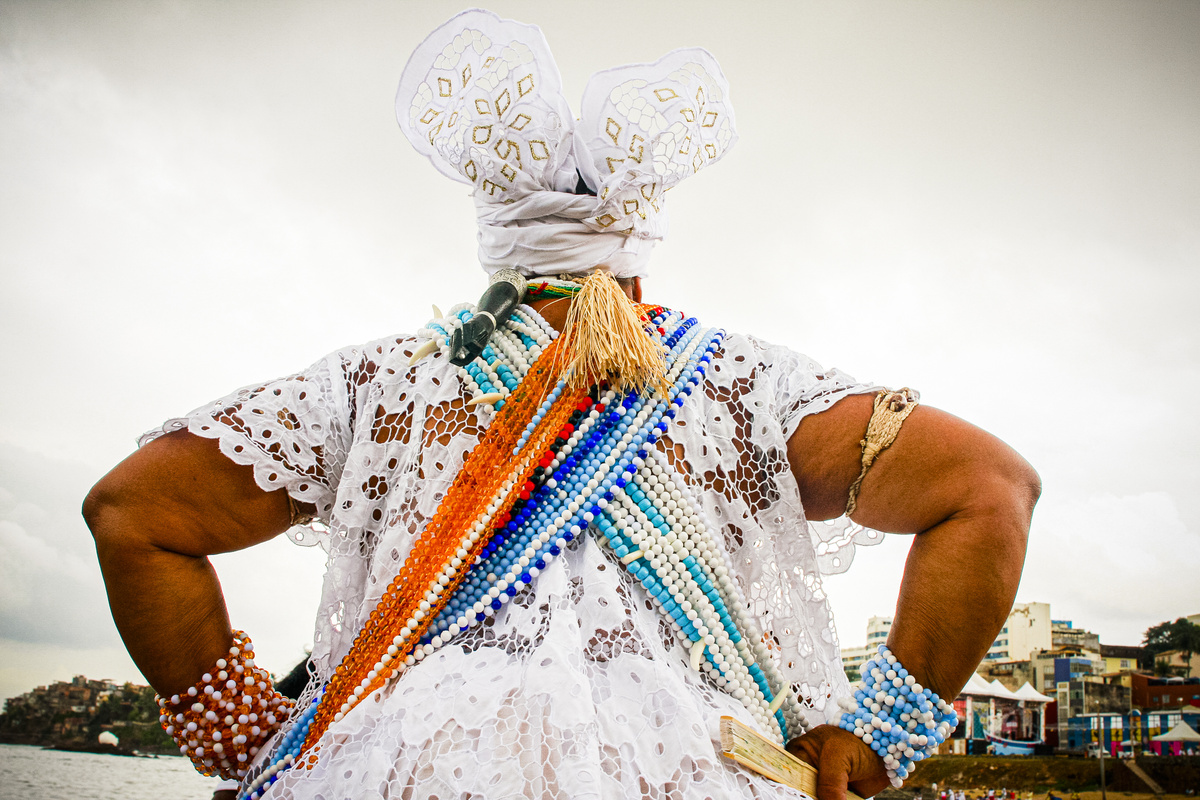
155 518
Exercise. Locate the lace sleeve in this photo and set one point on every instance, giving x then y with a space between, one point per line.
294 431
802 387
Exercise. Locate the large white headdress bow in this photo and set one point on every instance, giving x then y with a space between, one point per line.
481 98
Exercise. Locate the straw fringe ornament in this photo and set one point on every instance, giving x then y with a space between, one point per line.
605 339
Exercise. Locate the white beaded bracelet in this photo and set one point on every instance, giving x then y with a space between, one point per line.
898 718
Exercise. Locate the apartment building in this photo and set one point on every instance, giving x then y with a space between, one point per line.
1028 628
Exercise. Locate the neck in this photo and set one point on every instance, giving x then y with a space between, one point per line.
554 309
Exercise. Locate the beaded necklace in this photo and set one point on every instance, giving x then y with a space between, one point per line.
553 464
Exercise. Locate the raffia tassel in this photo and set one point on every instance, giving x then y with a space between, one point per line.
605 339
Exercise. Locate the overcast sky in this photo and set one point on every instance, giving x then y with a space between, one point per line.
996 203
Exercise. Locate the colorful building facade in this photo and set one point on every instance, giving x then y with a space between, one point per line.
1116 732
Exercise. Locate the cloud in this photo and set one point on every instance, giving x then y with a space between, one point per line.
50 586
135 205
52 598
1016 239
1114 564
28 562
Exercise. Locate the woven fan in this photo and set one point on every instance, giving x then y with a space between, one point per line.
753 751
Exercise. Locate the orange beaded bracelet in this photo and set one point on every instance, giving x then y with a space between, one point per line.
222 721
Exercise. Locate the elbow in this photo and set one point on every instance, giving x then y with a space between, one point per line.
104 509
112 512
1004 491
1034 488
1009 485
1015 488
1027 487
94 505
97 507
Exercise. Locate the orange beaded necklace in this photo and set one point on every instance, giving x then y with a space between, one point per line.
491 476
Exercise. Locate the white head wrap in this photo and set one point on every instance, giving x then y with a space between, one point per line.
481 98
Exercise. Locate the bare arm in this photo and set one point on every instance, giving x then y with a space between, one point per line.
155 518
968 497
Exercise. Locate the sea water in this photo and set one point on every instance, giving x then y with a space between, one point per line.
31 773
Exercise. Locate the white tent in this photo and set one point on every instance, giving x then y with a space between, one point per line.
978 687
1180 733
1028 693
1001 691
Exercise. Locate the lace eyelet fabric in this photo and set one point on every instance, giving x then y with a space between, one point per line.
576 688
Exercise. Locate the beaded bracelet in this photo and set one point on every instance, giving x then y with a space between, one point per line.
232 713
900 720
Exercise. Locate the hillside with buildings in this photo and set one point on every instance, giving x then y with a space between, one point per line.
75 714
1047 685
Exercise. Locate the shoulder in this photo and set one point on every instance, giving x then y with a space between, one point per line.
383 358
788 373
380 350
744 348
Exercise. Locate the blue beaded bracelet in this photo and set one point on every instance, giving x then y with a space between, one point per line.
901 721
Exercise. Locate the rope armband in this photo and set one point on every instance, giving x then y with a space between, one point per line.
891 409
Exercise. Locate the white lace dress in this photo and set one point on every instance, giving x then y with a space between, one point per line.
577 688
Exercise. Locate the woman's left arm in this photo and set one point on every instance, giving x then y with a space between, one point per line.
968 498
